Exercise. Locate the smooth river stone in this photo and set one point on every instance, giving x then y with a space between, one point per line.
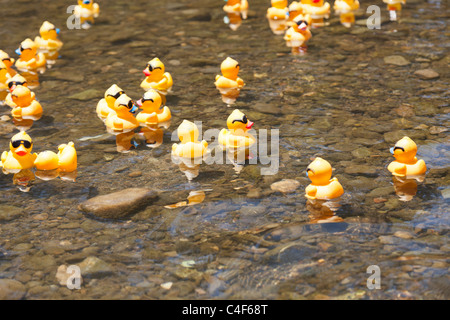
119 204
11 289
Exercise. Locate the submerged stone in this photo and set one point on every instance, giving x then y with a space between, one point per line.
119 204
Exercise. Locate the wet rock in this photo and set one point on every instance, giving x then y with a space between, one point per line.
62 275
426 74
403 235
119 204
380 192
41 263
94 267
11 289
285 186
188 274
396 60
271 108
361 153
446 193
360 169
8 213
386 239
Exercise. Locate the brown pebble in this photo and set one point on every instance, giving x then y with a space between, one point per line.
135 174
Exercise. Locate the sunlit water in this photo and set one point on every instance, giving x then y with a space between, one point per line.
340 101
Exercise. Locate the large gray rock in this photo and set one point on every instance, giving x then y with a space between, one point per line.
11 289
119 204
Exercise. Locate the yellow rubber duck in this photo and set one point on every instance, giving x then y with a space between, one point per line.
86 11
236 6
151 104
26 106
67 157
19 157
317 9
29 58
277 15
298 35
295 8
406 163
156 78
189 146
12 83
322 186
237 136
4 77
229 78
346 9
48 39
9 62
46 160
106 105
122 120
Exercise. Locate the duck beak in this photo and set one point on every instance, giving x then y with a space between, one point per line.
57 31
139 103
249 124
303 26
391 150
146 72
21 151
18 51
134 109
12 88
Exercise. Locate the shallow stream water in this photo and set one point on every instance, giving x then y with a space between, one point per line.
340 101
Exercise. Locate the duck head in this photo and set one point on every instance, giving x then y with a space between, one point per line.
151 101
21 144
112 94
230 68
22 96
87 4
302 23
238 122
15 81
155 69
319 171
48 31
124 104
187 132
27 49
404 150
280 4
6 59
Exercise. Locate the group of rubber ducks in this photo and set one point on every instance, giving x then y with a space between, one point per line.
117 110
406 169
15 92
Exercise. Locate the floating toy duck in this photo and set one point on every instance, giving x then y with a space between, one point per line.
19 157
406 163
318 10
322 188
237 135
106 105
9 62
86 11
346 9
48 39
29 59
394 7
295 8
4 77
298 35
152 114
122 120
278 16
156 78
236 6
65 160
12 83
26 106
229 84
189 146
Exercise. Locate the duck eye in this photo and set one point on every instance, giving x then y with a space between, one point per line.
117 95
143 100
130 104
17 143
395 148
244 119
7 59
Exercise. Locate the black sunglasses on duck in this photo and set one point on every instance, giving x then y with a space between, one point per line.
16 143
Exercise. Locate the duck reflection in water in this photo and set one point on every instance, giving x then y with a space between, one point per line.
236 11
406 187
194 197
323 211
278 15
